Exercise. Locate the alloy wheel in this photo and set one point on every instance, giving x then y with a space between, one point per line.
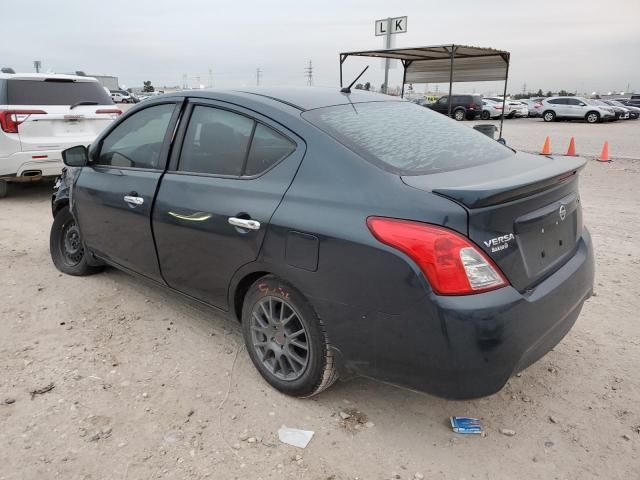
280 338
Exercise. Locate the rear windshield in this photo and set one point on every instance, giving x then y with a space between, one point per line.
38 92
406 138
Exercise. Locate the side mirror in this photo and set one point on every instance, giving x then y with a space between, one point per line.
75 156
583 104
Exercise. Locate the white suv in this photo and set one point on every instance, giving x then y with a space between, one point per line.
575 108
41 115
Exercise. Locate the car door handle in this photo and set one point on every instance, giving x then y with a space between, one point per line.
193 217
133 200
244 223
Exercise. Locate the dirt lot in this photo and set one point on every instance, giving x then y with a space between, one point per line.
148 385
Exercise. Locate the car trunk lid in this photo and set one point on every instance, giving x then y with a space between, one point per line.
524 211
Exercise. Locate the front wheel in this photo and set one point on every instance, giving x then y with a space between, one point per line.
285 339
592 117
67 250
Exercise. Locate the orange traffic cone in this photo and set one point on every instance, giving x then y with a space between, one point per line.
546 149
604 155
572 148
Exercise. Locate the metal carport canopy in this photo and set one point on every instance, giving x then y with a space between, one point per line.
445 64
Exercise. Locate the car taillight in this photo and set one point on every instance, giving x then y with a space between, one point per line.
452 264
115 111
472 106
537 105
10 119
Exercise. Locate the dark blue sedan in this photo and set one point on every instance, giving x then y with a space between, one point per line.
350 233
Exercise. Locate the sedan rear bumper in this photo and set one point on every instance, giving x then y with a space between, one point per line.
469 346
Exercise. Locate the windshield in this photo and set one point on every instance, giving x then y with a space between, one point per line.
407 139
55 92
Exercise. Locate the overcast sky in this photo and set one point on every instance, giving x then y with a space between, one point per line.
576 45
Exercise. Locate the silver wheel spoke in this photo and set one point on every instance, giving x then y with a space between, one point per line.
298 344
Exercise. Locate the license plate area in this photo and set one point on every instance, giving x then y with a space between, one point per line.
548 235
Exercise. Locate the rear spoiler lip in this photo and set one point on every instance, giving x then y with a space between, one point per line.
502 191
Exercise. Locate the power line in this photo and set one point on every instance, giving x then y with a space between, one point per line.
308 72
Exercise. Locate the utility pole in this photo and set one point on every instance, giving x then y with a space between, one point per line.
210 78
524 88
184 81
308 72
387 44
258 75
37 64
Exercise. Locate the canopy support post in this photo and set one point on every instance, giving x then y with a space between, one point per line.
342 59
453 54
405 65
506 58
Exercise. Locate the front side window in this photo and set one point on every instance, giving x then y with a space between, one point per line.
137 141
216 142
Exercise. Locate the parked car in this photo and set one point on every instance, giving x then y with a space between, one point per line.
456 263
634 112
490 109
41 115
121 96
420 101
575 108
533 105
513 108
621 113
463 106
627 102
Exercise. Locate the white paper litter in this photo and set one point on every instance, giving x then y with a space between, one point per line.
293 436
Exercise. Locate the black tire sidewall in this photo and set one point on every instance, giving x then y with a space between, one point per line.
63 216
310 381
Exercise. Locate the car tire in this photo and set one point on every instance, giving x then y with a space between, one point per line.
485 115
294 356
592 117
459 114
4 188
66 247
549 116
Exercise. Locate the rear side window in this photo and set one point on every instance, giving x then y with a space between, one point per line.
267 148
216 142
220 142
55 92
137 141
407 139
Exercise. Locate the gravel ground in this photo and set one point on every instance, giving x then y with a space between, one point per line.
149 385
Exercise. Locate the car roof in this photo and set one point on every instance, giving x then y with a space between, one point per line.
44 76
301 98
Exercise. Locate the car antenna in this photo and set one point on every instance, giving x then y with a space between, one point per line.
348 89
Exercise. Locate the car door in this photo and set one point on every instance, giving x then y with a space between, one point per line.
575 108
113 196
216 200
442 105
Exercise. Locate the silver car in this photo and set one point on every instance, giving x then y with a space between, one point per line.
575 108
